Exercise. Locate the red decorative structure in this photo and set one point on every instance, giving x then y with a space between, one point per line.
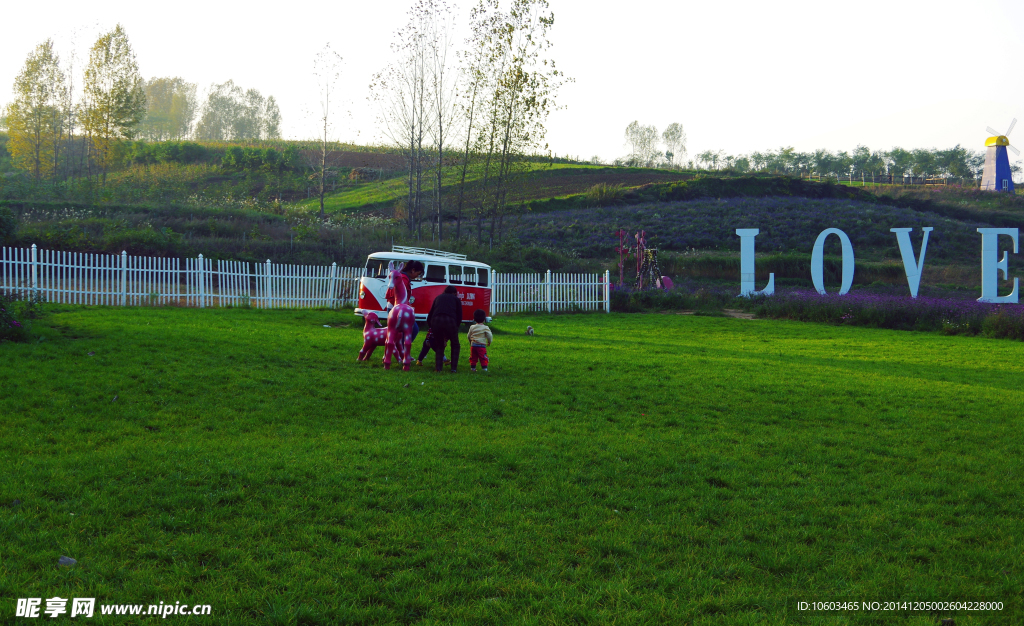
400 321
373 336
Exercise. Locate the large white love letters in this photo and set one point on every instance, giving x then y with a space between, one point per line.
914 268
910 266
747 287
990 266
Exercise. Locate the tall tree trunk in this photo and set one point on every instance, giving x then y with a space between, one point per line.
437 190
323 170
419 157
465 165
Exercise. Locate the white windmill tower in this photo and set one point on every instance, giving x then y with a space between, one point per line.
997 175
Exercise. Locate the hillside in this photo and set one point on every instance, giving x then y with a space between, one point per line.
254 202
541 182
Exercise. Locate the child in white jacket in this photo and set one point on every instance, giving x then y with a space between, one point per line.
479 338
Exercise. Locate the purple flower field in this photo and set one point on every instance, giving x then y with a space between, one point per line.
787 224
953 316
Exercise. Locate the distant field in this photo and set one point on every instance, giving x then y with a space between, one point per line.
786 224
545 181
628 469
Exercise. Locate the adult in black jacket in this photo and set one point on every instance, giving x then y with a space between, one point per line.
444 318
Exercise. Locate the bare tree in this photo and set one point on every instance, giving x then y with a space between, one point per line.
473 87
399 90
327 69
438 25
506 90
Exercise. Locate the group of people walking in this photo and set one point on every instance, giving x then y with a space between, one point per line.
443 325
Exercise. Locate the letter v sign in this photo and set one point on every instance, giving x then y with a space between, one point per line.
913 268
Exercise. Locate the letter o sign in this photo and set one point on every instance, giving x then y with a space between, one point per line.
818 261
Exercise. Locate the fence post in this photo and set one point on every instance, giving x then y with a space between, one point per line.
124 277
35 270
547 289
494 291
199 279
333 294
269 298
607 293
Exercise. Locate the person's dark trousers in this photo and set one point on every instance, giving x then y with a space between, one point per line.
424 350
446 330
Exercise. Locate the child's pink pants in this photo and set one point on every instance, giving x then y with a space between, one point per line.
478 353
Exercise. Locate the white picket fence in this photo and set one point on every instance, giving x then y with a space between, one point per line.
124 280
121 279
550 292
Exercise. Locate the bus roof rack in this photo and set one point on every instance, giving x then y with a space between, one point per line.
428 252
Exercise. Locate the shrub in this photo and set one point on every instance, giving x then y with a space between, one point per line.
603 194
13 306
1004 324
8 224
703 300
142 153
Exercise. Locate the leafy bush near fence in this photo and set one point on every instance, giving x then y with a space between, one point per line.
951 316
10 328
16 312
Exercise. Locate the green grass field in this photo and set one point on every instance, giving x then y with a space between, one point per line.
543 181
612 469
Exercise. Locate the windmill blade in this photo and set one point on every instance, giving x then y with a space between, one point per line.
1010 129
992 131
1015 151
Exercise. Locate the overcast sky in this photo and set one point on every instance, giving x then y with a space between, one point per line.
740 76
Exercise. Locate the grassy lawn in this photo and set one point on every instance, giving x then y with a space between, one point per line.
627 469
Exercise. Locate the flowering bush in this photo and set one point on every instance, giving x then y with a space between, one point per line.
10 328
951 316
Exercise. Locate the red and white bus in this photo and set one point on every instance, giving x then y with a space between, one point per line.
440 269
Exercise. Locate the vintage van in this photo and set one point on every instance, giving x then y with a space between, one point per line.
472 279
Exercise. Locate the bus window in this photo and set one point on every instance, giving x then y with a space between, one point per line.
435 274
483 277
470 276
377 268
455 274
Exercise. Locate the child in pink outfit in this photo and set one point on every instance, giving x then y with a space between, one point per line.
479 338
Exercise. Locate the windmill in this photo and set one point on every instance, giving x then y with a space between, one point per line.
997 175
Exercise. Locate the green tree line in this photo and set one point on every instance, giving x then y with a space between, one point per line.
955 162
55 133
